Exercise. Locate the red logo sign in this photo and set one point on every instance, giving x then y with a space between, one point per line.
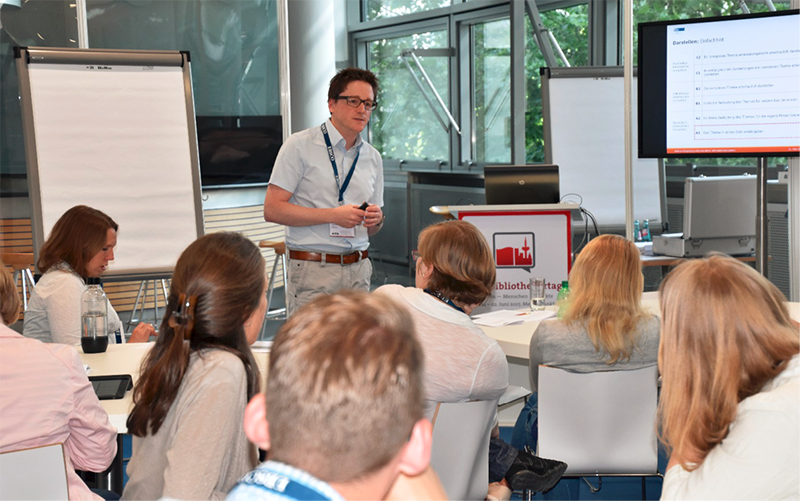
513 249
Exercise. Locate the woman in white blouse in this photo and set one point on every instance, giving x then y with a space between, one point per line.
730 399
455 273
80 246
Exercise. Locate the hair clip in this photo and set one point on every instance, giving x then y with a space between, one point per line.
183 315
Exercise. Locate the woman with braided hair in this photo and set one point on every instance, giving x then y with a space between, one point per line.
189 402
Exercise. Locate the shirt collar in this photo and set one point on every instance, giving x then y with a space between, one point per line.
8 332
337 138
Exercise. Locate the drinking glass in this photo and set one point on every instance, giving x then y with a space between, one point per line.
537 294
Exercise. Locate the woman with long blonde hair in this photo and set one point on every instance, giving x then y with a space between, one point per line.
730 400
604 328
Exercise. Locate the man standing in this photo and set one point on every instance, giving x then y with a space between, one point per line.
327 189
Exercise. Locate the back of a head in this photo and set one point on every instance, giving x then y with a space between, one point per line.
77 236
344 389
225 272
463 265
607 271
9 299
725 333
606 285
221 279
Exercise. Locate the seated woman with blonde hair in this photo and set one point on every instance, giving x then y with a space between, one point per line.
730 399
80 246
604 328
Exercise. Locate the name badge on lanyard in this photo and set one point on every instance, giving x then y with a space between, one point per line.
336 230
342 187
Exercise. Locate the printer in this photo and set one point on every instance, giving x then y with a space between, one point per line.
719 214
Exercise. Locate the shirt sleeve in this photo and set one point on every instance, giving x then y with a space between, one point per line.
287 171
206 432
64 311
92 441
754 462
536 357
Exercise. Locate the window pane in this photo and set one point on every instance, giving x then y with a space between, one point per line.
404 125
377 9
233 45
492 87
570 28
39 23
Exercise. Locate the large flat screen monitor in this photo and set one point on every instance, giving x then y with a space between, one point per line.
238 150
720 87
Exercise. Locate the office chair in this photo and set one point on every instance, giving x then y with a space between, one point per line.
603 424
460 450
39 473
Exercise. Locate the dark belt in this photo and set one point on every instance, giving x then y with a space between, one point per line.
330 258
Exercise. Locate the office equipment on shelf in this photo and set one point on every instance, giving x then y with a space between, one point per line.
526 184
719 214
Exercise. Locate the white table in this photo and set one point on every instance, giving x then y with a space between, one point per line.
127 358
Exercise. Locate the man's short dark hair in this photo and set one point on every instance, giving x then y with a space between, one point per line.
343 78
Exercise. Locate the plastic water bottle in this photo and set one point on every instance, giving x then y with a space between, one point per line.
646 231
94 317
562 299
637 233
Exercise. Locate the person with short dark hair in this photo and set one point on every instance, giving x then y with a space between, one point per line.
343 415
327 189
80 246
189 401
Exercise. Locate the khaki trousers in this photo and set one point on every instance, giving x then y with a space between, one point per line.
308 279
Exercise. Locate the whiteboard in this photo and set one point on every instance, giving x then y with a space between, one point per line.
114 130
585 136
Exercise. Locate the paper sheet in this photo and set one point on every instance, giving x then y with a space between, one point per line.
507 317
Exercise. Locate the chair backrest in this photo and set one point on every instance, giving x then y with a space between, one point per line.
602 422
38 474
460 450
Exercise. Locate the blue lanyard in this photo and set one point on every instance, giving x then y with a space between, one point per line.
342 188
278 483
444 299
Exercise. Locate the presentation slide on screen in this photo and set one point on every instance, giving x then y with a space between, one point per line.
734 86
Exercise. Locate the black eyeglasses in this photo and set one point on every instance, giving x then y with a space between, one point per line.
356 102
